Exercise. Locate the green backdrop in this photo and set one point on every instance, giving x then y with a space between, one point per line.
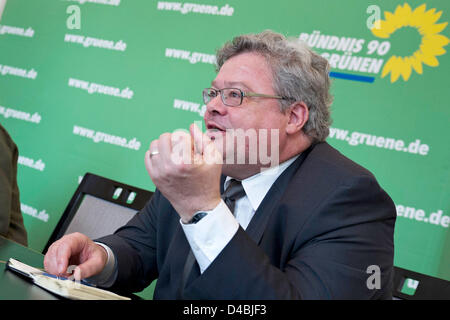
86 85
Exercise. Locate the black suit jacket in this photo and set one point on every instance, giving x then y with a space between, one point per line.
322 224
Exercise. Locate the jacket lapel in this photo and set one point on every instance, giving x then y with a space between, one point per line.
271 201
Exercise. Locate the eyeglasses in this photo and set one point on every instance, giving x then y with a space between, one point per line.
233 97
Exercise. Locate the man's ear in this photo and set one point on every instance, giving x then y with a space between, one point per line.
298 115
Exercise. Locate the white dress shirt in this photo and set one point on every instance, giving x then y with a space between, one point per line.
211 234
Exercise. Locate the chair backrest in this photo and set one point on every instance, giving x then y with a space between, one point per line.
99 207
410 285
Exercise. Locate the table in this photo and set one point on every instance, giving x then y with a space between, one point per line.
12 286
15 287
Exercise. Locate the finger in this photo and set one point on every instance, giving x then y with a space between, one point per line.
148 157
148 162
182 147
50 259
153 145
200 139
93 265
165 146
63 254
77 274
205 146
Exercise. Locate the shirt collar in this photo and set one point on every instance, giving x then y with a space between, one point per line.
257 186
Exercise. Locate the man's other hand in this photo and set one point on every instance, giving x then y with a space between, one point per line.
75 249
186 168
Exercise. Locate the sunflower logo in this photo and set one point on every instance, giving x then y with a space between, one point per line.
431 46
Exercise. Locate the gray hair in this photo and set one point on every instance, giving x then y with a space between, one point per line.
298 72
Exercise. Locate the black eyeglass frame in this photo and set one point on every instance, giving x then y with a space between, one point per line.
243 94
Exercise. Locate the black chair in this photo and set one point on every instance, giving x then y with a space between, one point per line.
423 287
99 207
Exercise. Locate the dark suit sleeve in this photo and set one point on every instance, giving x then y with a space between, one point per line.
326 258
134 247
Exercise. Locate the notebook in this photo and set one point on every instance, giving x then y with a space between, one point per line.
62 286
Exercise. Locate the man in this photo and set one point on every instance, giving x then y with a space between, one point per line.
306 229
11 220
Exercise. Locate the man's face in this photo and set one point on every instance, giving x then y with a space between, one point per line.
250 73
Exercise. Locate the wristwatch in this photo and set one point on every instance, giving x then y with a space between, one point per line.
197 217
